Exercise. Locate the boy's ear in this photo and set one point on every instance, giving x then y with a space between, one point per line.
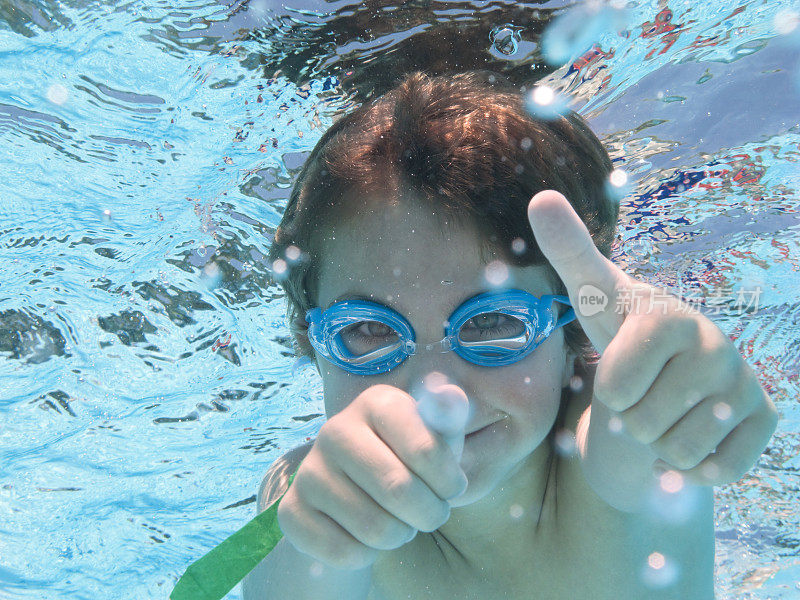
299 330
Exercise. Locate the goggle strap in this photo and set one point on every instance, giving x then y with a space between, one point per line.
569 314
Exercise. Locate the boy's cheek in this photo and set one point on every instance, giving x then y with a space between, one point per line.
341 388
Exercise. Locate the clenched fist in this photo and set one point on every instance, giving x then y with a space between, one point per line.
379 471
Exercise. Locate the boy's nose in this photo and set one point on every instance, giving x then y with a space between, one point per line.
414 369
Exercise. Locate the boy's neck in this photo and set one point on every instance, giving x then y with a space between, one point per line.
474 530
485 532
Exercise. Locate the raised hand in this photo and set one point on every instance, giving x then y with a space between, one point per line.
674 379
375 475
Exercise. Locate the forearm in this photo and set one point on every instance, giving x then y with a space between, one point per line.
289 574
616 466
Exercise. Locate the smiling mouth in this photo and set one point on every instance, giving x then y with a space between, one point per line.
482 428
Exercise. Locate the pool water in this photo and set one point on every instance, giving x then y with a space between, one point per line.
148 149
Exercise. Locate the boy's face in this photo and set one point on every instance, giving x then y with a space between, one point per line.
401 257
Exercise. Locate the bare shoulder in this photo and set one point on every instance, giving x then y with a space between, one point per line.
602 539
276 481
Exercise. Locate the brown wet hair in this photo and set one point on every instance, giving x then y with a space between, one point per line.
465 145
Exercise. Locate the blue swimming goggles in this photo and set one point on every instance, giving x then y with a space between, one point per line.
491 329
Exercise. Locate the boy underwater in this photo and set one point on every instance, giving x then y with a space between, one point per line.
445 257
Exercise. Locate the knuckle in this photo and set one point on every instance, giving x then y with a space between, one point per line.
643 429
353 556
385 534
612 395
690 326
331 433
685 455
643 433
456 486
431 520
285 514
381 396
344 552
437 518
720 359
426 449
377 532
398 486
632 424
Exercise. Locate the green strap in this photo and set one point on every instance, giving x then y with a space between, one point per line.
216 573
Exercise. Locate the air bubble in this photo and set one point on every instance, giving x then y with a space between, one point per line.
211 275
618 185
786 21
615 424
722 410
57 94
505 39
544 103
518 246
659 572
671 481
565 442
315 570
673 500
496 273
618 178
279 267
710 470
578 30
292 253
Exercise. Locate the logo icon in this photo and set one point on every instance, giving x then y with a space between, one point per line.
591 300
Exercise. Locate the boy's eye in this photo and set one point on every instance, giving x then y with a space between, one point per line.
491 326
374 329
366 336
486 320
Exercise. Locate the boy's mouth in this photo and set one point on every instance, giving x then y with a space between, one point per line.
479 429
482 427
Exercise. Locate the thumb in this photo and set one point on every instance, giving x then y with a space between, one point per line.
444 408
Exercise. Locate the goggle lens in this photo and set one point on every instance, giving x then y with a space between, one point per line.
489 333
366 337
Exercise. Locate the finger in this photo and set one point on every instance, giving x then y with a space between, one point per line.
398 422
736 454
672 395
321 537
375 468
699 433
444 408
568 246
338 497
635 358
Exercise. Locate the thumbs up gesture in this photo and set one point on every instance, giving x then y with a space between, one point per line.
673 378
